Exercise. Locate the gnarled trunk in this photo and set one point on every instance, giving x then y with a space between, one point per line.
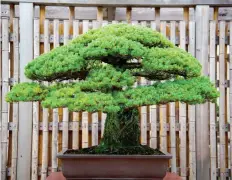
122 129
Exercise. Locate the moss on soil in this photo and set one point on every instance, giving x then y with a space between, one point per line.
130 150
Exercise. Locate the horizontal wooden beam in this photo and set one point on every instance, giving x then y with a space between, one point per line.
61 40
123 3
137 14
11 126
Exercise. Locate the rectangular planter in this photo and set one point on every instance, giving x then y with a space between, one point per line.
87 166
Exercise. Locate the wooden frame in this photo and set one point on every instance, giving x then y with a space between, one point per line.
122 3
162 126
25 108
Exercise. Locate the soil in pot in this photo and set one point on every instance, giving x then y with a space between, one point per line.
129 150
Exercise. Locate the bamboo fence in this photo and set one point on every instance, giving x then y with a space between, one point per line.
170 127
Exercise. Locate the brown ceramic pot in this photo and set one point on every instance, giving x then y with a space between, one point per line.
83 166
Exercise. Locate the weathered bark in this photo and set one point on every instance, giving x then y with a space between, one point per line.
122 129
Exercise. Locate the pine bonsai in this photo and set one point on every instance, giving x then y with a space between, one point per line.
106 62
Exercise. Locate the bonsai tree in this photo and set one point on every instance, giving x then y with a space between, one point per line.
106 62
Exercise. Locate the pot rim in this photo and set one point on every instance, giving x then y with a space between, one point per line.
61 155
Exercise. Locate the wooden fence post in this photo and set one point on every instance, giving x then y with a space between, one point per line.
25 109
5 89
212 72
16 104
202 111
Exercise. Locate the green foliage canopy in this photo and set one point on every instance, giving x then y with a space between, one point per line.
104 64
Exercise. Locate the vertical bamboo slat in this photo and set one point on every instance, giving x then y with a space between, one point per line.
153 25
94 129
35 115
95 115
75 125
222 100
85 26
11 75
143 126
191 108
230 96
153 109
65 129
163 108
85 119
55 111
163 124
212 74
55 139
96 24
153 114
192 142
182 116
192 112
5 89
75 28
85 130
56 32
65 110
172 111
75 133
44 169
103 120
15 105
44 48
66 31
153 122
